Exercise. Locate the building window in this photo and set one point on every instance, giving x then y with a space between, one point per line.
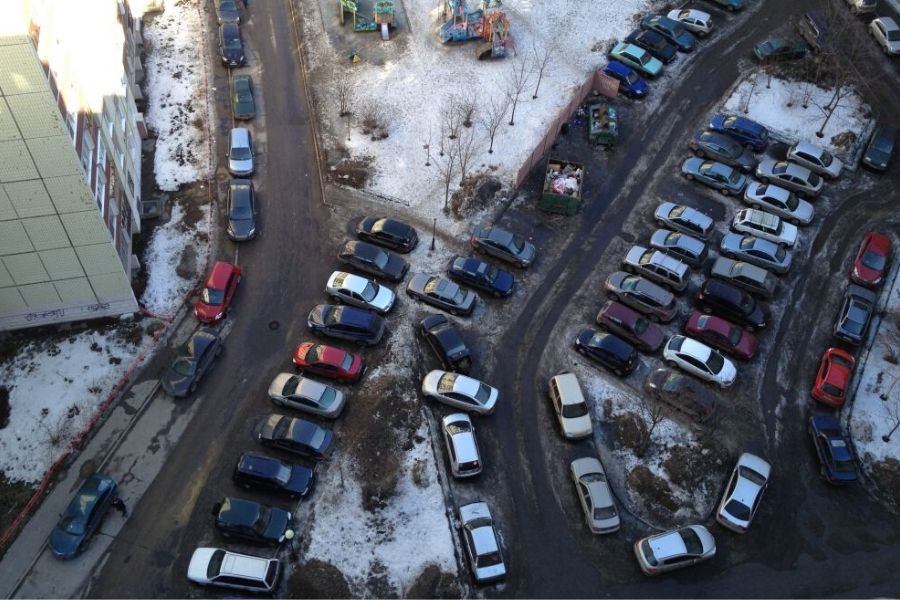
71 124
100 191
101 154
87 152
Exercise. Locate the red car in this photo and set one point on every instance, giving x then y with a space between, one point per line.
871 260
721 334
328 361
833 378
218 292
631 325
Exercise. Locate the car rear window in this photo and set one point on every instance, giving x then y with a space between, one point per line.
215 564
738 510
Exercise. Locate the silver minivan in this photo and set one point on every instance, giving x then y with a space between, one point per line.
658 266
755 280
240 152
462 447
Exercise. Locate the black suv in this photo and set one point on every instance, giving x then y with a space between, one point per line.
446 342
251 521
608 349
653 43
266 473
813 28
732 303
231 45
346 323
372 259
881 147
395 235
295 435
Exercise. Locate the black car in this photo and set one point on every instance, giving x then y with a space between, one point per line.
372 259
231 45
267 473
856 314
447 343
227 11
295 435
813 27
197 355
672 31
241 210
346 323
731 303
881 147
392 234
481 275
251 521
608 349
682 393
653 43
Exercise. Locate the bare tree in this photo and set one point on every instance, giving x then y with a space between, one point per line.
465 150
448 165
467 105
516 80
542 56
491 117
451 117
651 414
343 88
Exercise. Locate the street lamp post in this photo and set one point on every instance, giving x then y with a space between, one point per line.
289 541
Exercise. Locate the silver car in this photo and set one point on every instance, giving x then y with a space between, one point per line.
743 493
359 291
791 176
756 251
755 280
680 245
886 33
462 447
595 495
460 391
764 225
723 148
240 152
672 550
695 21
442 293
658 266
481 542
307 395
779 201
684 218
816 159
642 295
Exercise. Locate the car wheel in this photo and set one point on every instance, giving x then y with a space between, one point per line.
724 192
614 296
192 388
700 153
689 177
618 372
654 318
764 179
755 207
672 364
706 310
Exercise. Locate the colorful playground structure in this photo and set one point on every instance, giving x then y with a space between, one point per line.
488 24
382 16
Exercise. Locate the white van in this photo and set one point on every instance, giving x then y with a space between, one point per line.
570 407
214 566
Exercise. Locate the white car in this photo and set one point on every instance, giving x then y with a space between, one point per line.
359 291
743 493
765 225
779 201
695 21
301 393
214 566
462 447
570 407
460 391
699 360
481 543
675 549
886 33
815 159
595 495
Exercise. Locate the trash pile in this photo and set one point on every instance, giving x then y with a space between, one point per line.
563 179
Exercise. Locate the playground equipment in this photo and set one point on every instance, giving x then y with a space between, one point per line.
488 24
382 16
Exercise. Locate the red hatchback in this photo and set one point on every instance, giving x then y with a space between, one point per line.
833 378
218 292
721 334
328 361
871 260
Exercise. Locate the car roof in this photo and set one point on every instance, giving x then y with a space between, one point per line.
723 290
888 22
614 344
619 68
808 148
330 354
240 136
774 191
501 236
466 385
244 565
351 315
238 511
693 348
259 464
218 277
667 545
348 281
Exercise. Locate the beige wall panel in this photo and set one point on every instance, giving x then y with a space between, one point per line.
13 239
7 212
98 259
46 233
15 162
85 228
26 268
37 115
62 263
20 71
40 295
8 129
75 291
55 156
111 286
70 193
29 198
6 279
11 300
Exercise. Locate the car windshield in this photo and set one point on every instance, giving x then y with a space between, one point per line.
281 427
691 541
873 261
483 393
318 438
212 296
458 427
715 362
844 466
751 475
291 386
604 512
369 292
893 35
380 259
262 520
183 366
331 315
647 551
283 475
241 154
489 559
232 44
738 510
573 411
328 396
832 390
734 177
825 158
734 335
459 297
640 326
841 362
632 78
643 57
780 253
241 212
74 524
446 382
347 362
215 564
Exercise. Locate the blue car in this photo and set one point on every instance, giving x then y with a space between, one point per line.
731 5
481 275
746 131
630 83
833 450
671 30
83 517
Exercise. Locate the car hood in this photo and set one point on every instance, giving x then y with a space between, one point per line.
577 426
199 563
63 544
240 166
746 346
489 573
279 522
746 161
242 229
301 480
728 373
175 384
804 212
384 299
396 267
504 282
653 336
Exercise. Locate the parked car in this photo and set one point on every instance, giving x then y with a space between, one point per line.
813 28
609 350
83 516
227 12
481 276
595 496
462 446
295 435
442 293
243 104
218 292
855 315
642 295
833 377
755 280
570 407
390 233
779 49
836 463
744 130
653 43
816 159
657 266
369 258
887 34
194 359
696 21
859 7
790 176
685 219
723 148
764 225
871 263
671 30
744 491
881 147
241 210
674 549
231 47
240 152
222 568
681 393
732 303
756 251
699 360
346 323
631 326
447 343
721 334
730 5
251 521
255 471
504 245
637 58
328 361
715 175
481 542
630 83
780 202
301 393
682 246
460 391
360 292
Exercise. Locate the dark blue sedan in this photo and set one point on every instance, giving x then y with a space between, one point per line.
746 131
630 83
481 275
833 450
671 30
83 517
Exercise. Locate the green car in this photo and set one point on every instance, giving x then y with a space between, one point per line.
714 174
243 105
637 58
777 49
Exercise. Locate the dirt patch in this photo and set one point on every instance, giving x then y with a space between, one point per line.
13 496
886 474
353 172
192 199
629 430
434 583
653 492
317 579
689 466
476 192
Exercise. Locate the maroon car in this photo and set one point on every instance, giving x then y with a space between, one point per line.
721 334
631 325
871 261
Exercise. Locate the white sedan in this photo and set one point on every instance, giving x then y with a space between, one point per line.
780 202
744 492
700 360
816 159
886 33
358 291
460 391
296 391
595 495
695 21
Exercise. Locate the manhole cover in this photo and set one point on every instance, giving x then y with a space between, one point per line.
273 325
